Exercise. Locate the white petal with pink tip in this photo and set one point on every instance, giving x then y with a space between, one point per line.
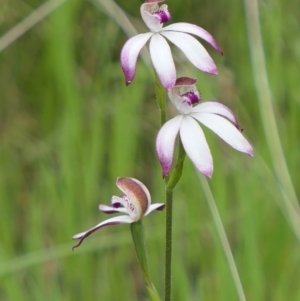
157 206
162 61
215 108
225 130
195 145
193 50
165 142
195 30
123 219
130 52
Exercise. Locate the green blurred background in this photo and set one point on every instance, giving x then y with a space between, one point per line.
69 127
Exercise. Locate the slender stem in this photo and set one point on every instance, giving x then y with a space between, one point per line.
161 101
222 235
171 181
141 252
170 185
267 114
168 262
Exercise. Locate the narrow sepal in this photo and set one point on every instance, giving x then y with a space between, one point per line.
129 54
195 30
124 219
193 50
195 145
225 130
165 142
162 61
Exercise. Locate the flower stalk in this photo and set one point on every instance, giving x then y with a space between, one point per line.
168 251
171 181
141 252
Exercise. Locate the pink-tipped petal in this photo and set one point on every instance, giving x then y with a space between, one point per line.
193 50
195 30
195 145
162 60
165 141
225 130
130 52
156 206
216 108
124 219
109 209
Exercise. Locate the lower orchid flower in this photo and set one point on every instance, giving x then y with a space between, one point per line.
135 203
213 115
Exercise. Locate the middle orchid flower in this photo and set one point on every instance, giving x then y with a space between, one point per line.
184 95
161 56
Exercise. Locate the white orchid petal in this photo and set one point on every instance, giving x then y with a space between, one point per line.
195 145
130 52
124 219
195 30
157 206
216 108
225 130
165 141
193 50
110 209
162 60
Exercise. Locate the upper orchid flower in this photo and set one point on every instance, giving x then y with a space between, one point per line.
184 95
135 203
154 17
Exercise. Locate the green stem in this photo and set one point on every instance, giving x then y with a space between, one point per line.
171 181
161 101
141 252
168 259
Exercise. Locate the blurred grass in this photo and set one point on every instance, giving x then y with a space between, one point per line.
69 127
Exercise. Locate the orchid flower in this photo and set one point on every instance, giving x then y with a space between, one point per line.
161 56
213 115
135 203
